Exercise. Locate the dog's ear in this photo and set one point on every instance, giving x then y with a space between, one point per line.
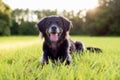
66 23
41 24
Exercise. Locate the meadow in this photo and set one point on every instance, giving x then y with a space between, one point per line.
19 60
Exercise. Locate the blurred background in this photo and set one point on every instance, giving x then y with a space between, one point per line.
89 17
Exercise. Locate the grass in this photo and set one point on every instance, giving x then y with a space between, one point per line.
21 61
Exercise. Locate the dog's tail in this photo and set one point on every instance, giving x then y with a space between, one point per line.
94 49
81 48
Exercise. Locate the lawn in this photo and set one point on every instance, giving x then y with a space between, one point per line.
19 60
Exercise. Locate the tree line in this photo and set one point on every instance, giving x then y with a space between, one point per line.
103 20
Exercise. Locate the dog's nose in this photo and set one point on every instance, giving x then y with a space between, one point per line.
54 28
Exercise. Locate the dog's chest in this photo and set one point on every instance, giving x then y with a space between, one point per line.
54 49
54 46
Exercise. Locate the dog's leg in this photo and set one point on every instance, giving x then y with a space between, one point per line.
68 59
44 59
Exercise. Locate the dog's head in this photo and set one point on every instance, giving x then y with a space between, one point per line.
54 28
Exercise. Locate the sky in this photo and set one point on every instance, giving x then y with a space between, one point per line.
60 5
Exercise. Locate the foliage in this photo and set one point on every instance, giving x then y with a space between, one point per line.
14 28
28 28
5 17
24 23
23 63
25 28
103 20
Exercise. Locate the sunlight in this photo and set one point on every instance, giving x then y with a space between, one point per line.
19 44
91 4
60 5
75 5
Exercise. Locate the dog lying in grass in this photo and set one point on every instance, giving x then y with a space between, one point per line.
57 45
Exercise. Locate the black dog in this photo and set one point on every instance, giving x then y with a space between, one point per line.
57 45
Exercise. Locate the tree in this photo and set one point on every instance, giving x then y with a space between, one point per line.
27 28
114 10
105 19
5 19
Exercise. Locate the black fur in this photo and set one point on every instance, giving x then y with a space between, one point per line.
94 49
59 50
62 48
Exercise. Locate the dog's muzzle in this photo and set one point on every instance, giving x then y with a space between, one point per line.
54 33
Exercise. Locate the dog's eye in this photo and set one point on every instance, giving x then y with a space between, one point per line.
48 22
59 22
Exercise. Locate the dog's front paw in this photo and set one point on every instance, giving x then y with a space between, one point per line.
43 60
68 59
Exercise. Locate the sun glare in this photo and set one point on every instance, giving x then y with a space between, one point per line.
60 5
90 4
